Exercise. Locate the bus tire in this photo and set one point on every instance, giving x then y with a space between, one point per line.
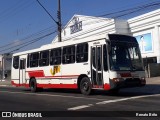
33 85
85 86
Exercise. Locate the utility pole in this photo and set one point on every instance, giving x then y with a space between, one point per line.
59 25
59 21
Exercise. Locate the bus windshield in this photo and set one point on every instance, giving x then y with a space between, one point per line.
125 56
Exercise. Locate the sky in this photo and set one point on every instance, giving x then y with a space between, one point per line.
25 20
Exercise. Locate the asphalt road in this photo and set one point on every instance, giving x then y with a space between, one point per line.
129 103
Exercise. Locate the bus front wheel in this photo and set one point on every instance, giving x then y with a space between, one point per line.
85 86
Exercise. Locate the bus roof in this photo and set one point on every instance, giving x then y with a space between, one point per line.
63 43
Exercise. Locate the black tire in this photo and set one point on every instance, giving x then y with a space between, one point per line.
85 86
33 85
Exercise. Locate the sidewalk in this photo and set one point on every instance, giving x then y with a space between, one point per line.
153 80
5 83
152 87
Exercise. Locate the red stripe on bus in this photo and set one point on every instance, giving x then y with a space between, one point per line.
63 76
70 86
37 73
40 74
18 85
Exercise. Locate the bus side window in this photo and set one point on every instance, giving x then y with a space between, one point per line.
72 55
105 63
34 58
64 58
55 56
82 53
68 55
16 62
44 58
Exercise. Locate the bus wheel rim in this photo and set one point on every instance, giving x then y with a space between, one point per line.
85 86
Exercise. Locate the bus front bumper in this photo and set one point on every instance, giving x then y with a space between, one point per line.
117 83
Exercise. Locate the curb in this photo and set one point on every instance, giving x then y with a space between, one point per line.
4 85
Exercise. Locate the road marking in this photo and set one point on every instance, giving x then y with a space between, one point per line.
98 99
80 107
111 101
88 105
124 99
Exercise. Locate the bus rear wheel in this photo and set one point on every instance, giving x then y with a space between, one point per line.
85 86
33 85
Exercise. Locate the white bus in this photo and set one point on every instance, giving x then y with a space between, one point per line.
106 63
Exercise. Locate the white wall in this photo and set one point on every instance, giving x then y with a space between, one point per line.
93 26
148 23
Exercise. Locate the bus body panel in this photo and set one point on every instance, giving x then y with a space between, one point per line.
96 68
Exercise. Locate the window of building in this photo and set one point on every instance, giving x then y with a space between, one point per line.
68 54
34 59
55 56
44 58
16 62
82 53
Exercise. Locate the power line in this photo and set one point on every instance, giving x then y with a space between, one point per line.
8 8
47 12
138 9
125 12
58 16
13 11
122 13
135 8
22 45
29 37
36 40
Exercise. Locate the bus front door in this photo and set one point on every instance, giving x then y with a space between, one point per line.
22 71
96 67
